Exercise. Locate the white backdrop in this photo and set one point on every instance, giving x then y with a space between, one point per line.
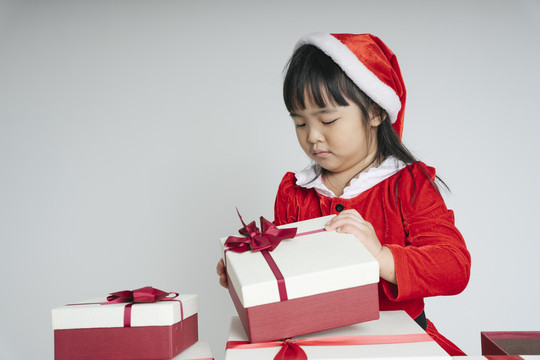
130 131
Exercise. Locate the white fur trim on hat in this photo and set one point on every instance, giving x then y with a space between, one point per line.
366 80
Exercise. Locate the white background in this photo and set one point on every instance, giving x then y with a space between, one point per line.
130 131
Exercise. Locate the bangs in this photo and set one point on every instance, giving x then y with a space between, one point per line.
314 79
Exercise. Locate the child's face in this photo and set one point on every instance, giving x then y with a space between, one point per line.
336 137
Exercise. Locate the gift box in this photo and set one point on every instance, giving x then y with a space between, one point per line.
199 351
313 280
394 335
510 342
105 328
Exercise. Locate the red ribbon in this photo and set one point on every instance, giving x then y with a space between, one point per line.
146 294
267 238
291 349
264 241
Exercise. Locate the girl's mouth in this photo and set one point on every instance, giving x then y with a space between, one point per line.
321 154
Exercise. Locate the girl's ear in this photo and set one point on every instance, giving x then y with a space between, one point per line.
377 115
375 121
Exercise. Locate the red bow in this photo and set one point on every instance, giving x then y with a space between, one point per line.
290 351
146 294
255 240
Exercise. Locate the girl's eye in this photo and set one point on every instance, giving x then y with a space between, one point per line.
299 125
329 122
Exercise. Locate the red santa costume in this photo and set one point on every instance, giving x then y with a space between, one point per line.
400 200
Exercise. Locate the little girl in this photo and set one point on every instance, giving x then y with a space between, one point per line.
346 98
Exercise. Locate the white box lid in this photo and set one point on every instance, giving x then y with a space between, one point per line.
90 314
199 350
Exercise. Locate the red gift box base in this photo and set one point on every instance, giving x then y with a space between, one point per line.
145 342
510 342
308 314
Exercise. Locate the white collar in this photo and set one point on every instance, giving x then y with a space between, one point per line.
358 185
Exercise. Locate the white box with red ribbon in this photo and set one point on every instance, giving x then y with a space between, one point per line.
146 323
393 336
306 281
201 350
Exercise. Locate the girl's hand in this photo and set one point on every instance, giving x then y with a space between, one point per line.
351 222
222 272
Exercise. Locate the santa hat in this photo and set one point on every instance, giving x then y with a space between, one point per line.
370 64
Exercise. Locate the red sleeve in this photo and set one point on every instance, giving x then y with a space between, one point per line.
435 260
285 206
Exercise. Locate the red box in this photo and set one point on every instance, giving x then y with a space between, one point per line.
308 314
330 280
510 342
93 330
146 342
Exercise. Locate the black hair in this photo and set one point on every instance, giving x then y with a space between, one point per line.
313 76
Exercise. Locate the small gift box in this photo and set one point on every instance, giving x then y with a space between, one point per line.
146 323
298 278
510 342
394 335
199 351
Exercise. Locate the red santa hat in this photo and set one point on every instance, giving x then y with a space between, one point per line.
371 65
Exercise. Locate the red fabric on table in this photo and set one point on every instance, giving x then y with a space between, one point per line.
135 343
443 342
308 314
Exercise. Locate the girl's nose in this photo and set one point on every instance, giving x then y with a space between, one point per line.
315 135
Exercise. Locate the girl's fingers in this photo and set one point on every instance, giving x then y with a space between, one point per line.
359 230
220 268
223 280
351 222
345 217
222 272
